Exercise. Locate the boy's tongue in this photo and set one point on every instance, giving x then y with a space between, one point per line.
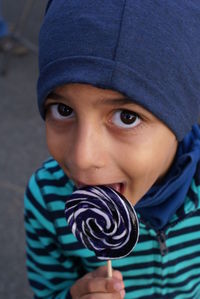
117 187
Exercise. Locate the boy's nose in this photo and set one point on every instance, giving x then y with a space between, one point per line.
87 150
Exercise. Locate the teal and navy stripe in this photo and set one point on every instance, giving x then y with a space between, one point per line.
164 264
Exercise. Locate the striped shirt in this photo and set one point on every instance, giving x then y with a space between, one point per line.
164 264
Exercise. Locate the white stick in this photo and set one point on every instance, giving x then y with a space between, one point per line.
109 265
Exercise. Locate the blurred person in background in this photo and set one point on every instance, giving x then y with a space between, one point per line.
4 32
8 42
3 26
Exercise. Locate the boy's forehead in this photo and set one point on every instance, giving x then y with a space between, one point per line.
101 94
73 88
81 91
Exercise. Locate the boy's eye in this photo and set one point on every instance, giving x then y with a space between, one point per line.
61 111
126 119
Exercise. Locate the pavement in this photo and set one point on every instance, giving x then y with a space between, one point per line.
22 149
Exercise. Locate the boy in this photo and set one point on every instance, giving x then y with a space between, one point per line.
119 92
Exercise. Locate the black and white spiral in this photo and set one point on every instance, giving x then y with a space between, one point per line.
103 221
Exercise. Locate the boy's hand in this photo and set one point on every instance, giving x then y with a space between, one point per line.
96 285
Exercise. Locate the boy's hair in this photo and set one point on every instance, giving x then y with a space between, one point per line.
148 50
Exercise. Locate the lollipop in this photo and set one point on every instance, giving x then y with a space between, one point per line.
103 221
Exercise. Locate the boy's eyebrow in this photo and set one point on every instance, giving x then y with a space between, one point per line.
105 101
55 96
116 101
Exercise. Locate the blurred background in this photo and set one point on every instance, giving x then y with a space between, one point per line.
22 139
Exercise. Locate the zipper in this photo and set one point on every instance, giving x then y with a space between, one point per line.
162 241
161 237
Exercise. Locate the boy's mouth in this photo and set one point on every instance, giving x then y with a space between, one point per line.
119 187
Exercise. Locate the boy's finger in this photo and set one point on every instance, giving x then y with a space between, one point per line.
103 272
105 296
86 286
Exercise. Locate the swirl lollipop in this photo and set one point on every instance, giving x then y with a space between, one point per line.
103 221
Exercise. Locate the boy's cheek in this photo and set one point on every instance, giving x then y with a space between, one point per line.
54 144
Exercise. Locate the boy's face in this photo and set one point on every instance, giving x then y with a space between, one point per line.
99 137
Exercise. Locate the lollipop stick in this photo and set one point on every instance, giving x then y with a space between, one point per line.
109 265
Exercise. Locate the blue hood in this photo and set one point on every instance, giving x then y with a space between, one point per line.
148 50
163 199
